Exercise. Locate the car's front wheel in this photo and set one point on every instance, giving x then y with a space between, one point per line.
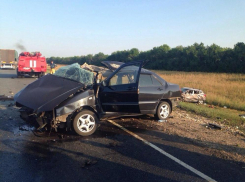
163 110
85 123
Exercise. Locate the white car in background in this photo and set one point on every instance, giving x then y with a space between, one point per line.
193 95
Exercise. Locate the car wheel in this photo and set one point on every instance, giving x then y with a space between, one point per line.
163 110
200 101
85 123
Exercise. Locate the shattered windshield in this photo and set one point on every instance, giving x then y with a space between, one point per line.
76 73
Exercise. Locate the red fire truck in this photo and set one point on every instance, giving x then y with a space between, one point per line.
33 64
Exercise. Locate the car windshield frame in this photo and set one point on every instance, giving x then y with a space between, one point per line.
75 73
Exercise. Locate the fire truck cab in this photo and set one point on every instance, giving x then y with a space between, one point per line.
33 64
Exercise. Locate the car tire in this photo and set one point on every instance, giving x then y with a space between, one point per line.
85 123
200 101
163 111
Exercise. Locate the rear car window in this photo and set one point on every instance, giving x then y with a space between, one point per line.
148 80
145 80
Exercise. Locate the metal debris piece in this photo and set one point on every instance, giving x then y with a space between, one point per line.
40 127
214 126
23 128
89 163
162 121
10 105
242 115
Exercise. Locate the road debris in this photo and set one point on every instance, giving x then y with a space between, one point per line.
162 121
4 97
11 105
214 126
242 115
88 163
23 128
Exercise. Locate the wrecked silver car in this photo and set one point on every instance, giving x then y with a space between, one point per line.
193 95
78 97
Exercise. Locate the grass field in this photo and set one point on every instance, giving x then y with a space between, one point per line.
221 89
223 115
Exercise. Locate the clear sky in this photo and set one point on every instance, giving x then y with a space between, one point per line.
73 28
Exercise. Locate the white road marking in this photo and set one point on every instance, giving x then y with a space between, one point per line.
165 153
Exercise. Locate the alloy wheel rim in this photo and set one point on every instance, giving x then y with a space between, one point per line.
164 111
86 123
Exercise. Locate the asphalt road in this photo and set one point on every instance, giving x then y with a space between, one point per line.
111 154
10 84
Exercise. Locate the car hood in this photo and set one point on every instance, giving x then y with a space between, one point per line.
47 92
112 65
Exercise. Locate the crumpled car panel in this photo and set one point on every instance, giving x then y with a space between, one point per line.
103 73
191 96
112 65
47 92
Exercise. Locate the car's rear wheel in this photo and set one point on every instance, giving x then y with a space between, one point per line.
85 123
163 110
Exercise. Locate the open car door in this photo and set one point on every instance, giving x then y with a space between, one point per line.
119 92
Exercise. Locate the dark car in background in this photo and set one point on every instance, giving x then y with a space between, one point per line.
78 97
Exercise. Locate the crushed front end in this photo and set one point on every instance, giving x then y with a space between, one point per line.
68 88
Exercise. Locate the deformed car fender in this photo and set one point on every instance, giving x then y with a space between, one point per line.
86 98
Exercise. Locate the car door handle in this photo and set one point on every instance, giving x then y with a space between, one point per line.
159 89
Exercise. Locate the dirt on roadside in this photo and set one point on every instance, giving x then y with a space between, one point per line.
211 137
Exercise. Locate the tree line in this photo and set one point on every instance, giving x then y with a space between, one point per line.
196 57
